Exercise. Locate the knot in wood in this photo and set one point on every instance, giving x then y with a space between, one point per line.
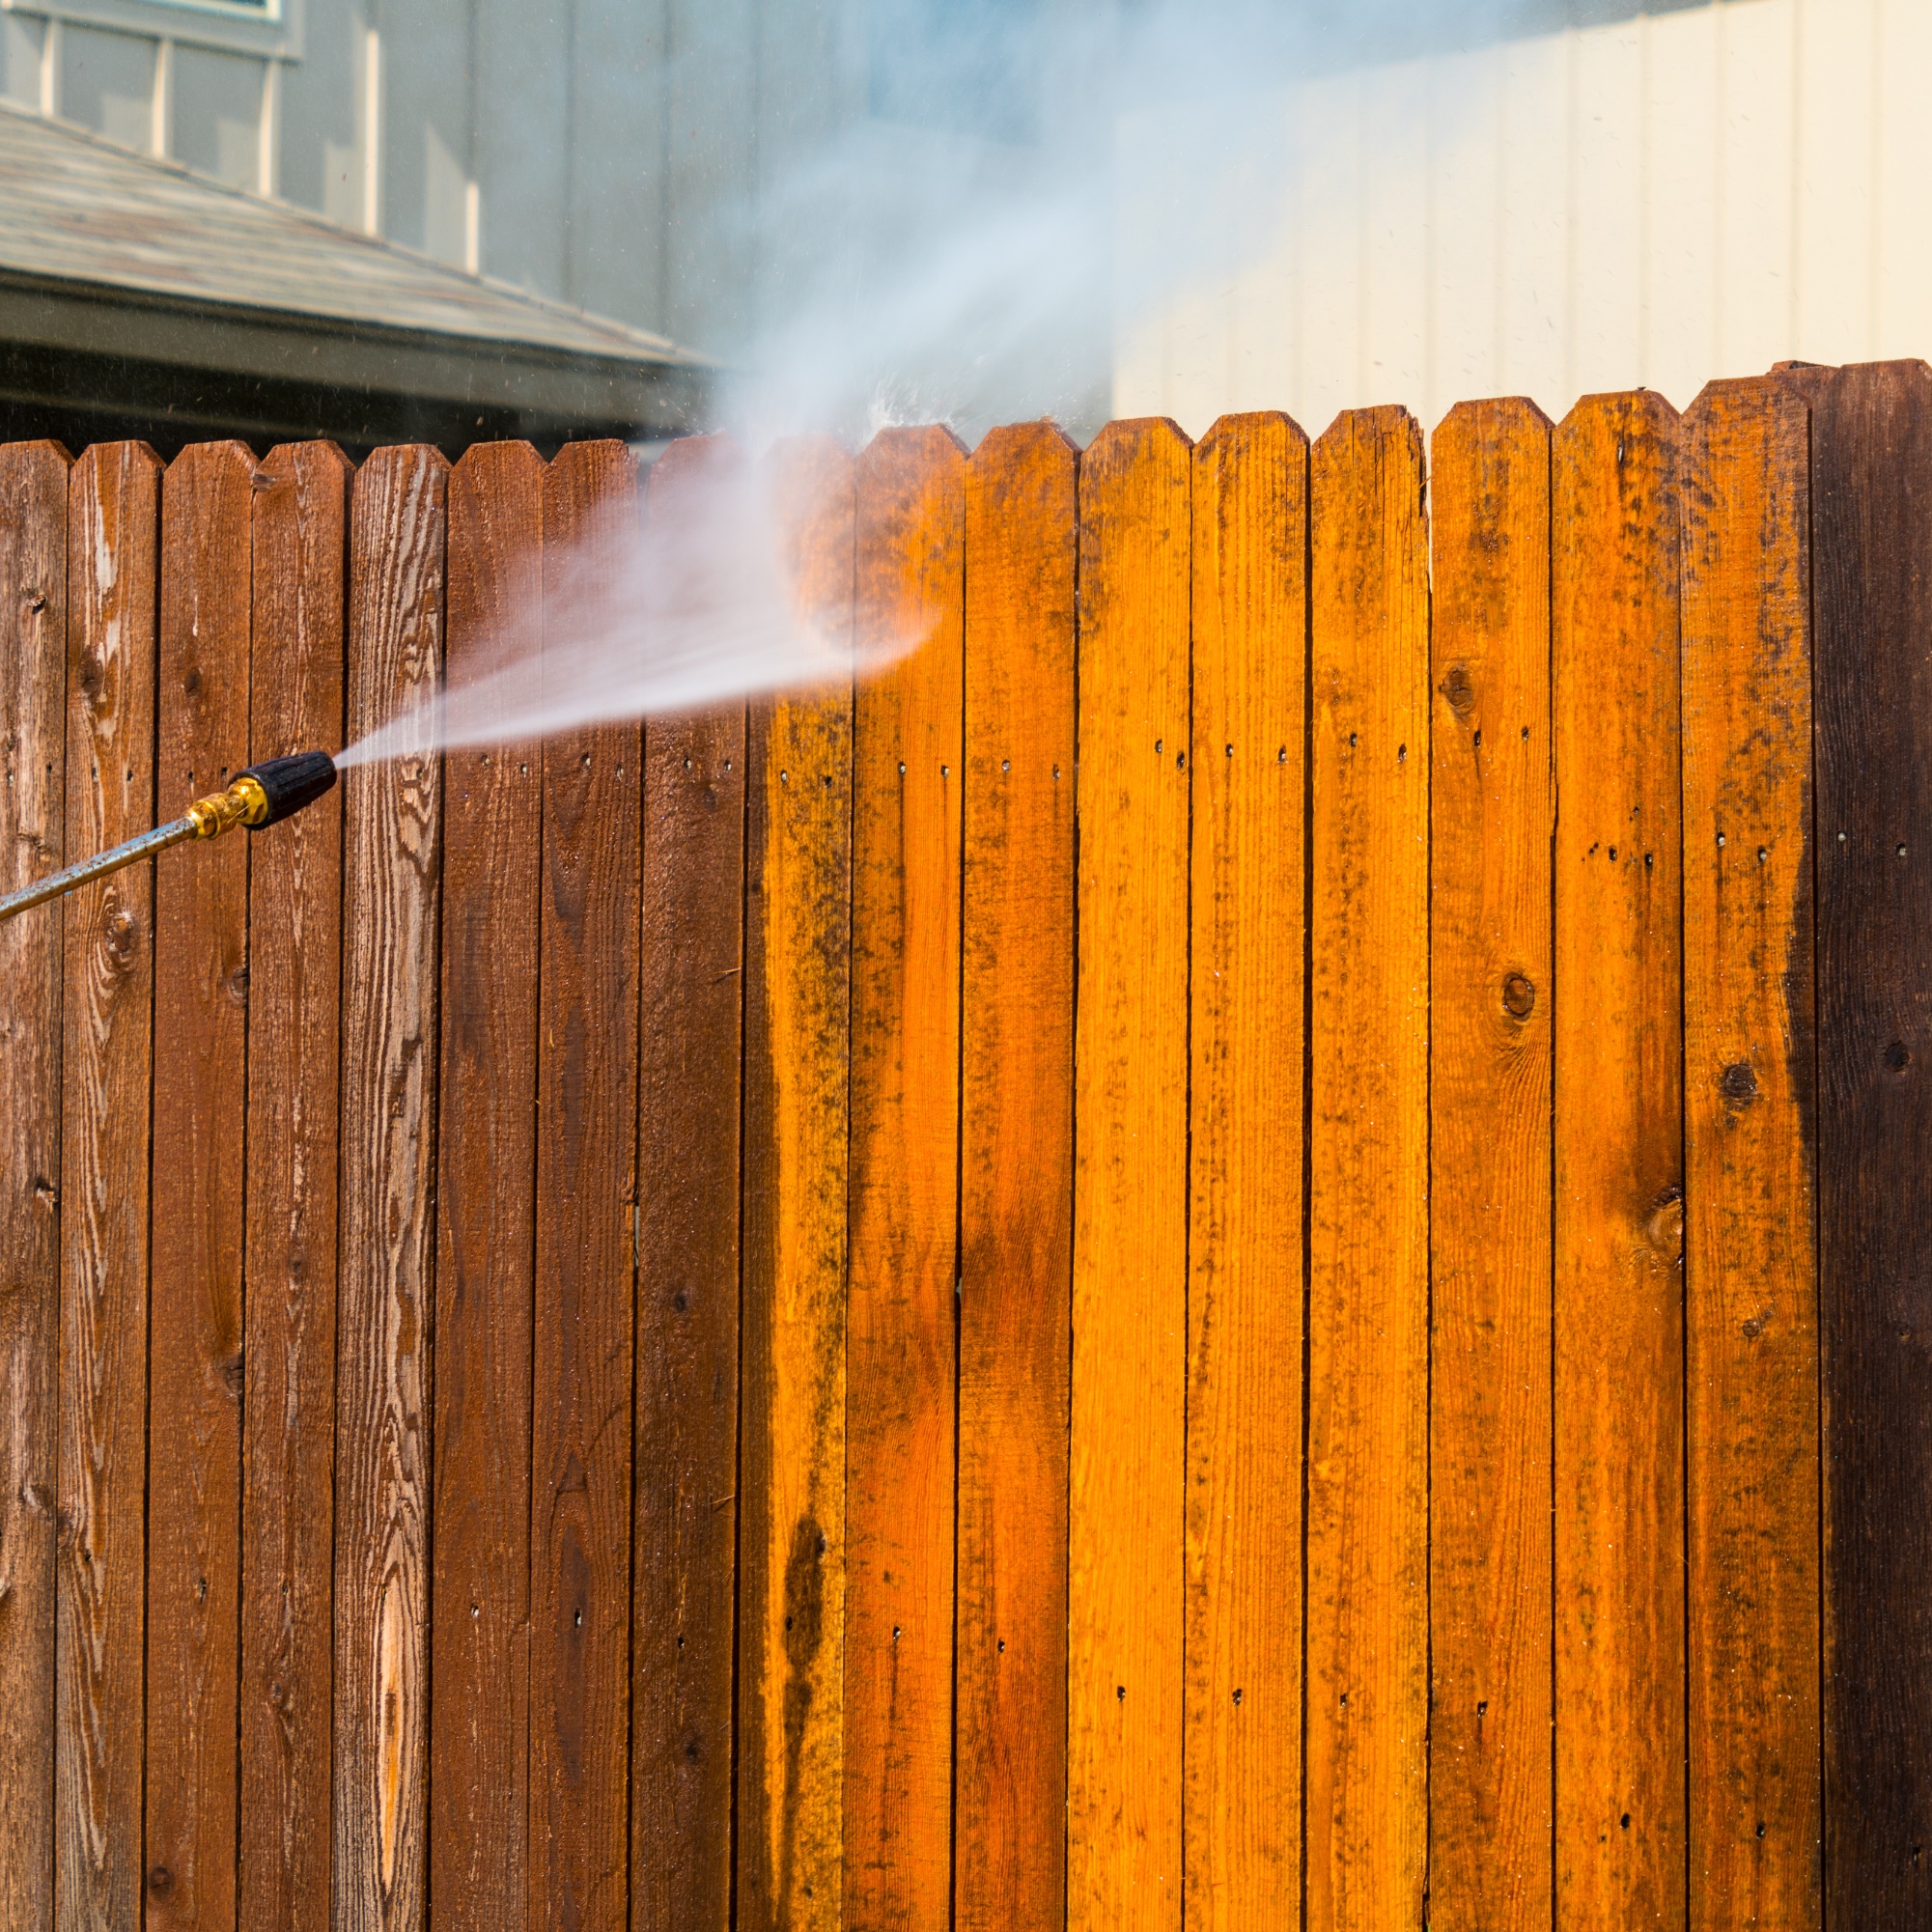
1460 690
1738 1084
1519 996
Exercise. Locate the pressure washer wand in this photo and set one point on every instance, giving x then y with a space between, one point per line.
261 795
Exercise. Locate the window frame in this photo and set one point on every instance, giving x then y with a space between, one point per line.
270 32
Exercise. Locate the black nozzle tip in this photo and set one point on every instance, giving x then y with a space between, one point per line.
290 783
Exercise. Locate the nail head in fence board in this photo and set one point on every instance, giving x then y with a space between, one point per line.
1128 1479
1491 816
1751 1357
1245 1252
1368 1344
1871 538
300 543
114 519
902 1188
392 836
791 1457
1620 1167
33 768
691 953
1017 1181
486 1232
201 1092
586 1196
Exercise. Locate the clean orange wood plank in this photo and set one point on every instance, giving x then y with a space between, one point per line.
1751 1342
1368 1344
1129 1289
1244 1255
685 1531
114 514
33 780
791 1460
586 1198
201 1088
1017 1182
900 1365
1491 814
1619 1167
392 824
300 543
486 1198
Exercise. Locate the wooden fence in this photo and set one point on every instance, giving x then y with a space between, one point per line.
1248 1247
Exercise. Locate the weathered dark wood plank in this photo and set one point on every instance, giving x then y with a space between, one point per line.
114 514
586 1235
300 540
201 1090
1491 808
32 779
392 863
1017 1181
1871 598
685 1537
486 1222
791 1457
1750 1161
901 1300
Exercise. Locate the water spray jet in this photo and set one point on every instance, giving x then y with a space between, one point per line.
260 796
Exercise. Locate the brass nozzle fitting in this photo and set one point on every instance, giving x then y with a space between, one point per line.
243 803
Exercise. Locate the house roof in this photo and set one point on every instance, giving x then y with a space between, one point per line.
113 254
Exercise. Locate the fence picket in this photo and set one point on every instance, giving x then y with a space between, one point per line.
33 780
1126 1584
1751 1340
1368 1291
1017 1181
114 514
1490 995
485 1196
1619 1167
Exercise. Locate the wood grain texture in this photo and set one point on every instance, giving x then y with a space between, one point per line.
1751 1342
1871 536
1130 1287
586 1235
300 542
1017 1183
114 514
685 1534
201 1091
1368 1343
392 837
792 1455
32 779
903 1187
486 1220
1491 815
1245 1252
1619 1167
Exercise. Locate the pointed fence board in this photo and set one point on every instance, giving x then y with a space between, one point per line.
586 1232
1489 818
685 1532
195 1366
1752 1341
486 1226
33 776
1618 1491
299 538
1368 1289
1126 1594
1015 1200
903 1184
791 1460
392 834
1242 1794
114 516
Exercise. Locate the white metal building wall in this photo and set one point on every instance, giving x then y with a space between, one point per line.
1681 196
